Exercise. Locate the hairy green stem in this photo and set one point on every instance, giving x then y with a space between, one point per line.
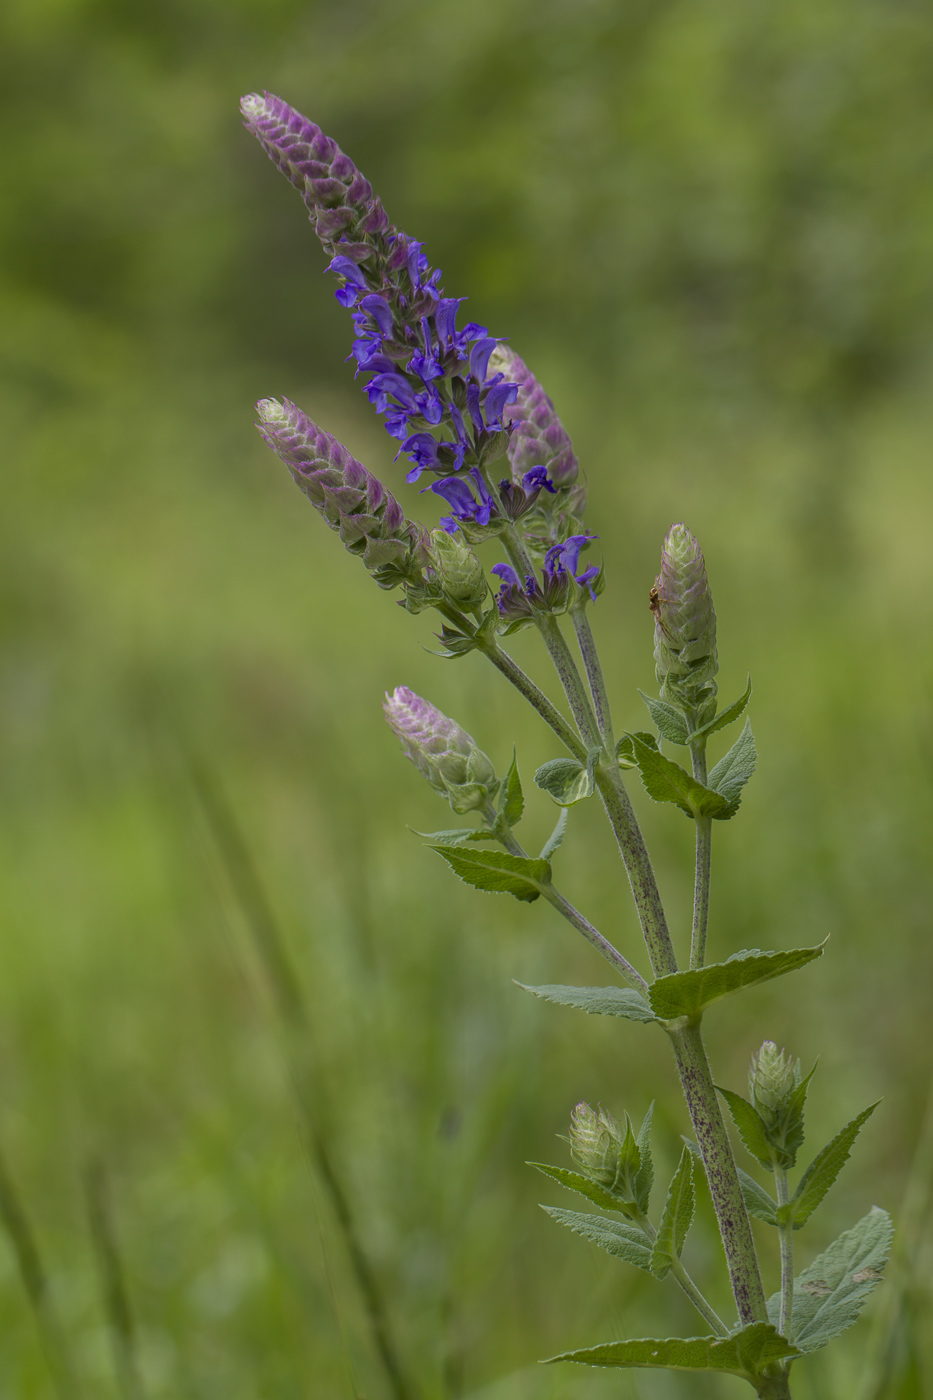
678 1272
570 913
716 1149
526 686
786 1235
638 868
704 846
594 674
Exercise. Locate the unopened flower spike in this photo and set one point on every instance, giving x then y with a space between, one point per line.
442 752
685 626
432 383
457 571
355 503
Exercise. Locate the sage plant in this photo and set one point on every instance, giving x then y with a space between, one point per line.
480 434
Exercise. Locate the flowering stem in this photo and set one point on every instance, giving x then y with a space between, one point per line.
594 674
704 844
786 1234
716 1149
572 915
548 712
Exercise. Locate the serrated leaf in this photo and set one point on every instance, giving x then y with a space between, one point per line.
511 797
556 836
758 1202
750 1127
566 780
614 1236
825 1167
625 749
666 781
794 1129
687 993
645 1178
676 1218
498 871
734 770
670 722
728 716
829 1295
457 836
576 1181
744 1353
597 1001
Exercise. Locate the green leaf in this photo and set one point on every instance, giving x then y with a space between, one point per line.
511 797
728 716
794 1126
556 836
744 1353
825 1167
758 1202
666 781
568 781
670 722
614 1236
734 770
750 1126
576 1181
676 1218
645 1178
597 1001
458 835
625 750
687 993
829 1295
498 871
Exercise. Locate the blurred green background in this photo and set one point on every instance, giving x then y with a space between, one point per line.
709 229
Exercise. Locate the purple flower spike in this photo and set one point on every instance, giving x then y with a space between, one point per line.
369 519
538 437
441 751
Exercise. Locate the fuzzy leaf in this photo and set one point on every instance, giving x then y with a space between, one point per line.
670 722
825 1167
687 993
666 781
458 835
597 1001
614 1236
676 1218
576 1181
568 781
829 1295
556 836
744 1353
794 1130
625 748
734 770
645 1178
498 871
728 716
751 1128
511 798
758 1201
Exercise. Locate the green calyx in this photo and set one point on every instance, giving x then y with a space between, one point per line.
611 1156
457 571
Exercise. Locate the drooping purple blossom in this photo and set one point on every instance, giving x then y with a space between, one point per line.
405 328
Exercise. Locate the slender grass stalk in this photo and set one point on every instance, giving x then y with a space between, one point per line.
116 1297
36 1286
267 936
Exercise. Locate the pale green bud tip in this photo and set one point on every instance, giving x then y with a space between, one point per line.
457 569
772 1079
595 1142
441 751
685 620
271 411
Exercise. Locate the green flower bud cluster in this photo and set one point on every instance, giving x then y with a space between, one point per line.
612 1157
457 571
685 627
778 1092
442 752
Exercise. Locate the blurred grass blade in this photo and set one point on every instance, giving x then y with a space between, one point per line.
116 1296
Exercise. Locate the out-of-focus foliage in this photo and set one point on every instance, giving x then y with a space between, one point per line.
708 228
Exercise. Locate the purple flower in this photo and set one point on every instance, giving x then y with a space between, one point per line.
561 562
456 492
538 437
